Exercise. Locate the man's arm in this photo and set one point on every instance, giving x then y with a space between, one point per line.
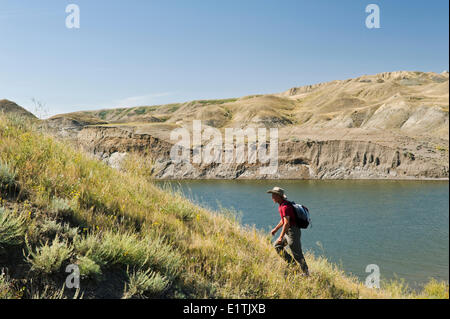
274 231
286 226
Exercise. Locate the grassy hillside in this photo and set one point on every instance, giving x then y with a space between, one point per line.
132 239
9 107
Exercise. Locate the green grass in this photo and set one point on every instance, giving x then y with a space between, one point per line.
140 110
79 210
216 102
103 114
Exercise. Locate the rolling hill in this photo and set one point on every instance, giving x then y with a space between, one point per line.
416 102
8 107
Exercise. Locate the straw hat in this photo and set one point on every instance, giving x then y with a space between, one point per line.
278 191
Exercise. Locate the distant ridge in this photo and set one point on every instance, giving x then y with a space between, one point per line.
7 107
410 101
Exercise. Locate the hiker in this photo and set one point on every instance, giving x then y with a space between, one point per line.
290 233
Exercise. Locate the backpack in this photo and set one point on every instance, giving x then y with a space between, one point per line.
302 217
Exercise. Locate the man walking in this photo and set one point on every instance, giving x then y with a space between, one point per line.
290 233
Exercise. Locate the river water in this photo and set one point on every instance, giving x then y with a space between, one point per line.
400 226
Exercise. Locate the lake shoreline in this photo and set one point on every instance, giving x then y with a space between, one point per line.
355 222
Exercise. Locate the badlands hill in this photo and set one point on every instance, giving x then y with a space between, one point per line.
416 102
388 125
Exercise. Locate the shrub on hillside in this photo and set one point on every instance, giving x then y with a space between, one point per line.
48 259
145 283
6 288
7 177
111 248
88 268
60 207
51 228
12 228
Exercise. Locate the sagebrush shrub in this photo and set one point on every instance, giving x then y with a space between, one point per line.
145 283
7 176
60 207
48 258
88 268
12 228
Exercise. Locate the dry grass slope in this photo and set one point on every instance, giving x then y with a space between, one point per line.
9 107
136 240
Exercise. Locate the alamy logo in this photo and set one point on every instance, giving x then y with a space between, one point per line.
373 19
73 19
373 279
219 150
73 279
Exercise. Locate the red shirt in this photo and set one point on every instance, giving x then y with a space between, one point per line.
286 210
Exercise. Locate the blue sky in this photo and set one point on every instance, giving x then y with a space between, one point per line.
129 53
